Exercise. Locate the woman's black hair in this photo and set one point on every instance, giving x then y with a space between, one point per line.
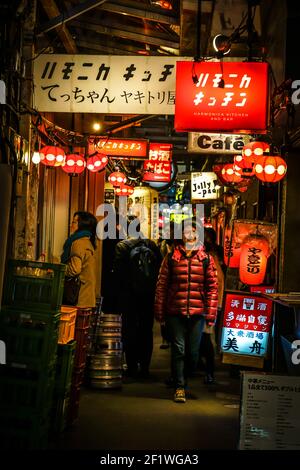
210 234
87 221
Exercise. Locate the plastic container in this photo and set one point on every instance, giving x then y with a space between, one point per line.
67 324
41 293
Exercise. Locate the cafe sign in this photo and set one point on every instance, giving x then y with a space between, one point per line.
216 143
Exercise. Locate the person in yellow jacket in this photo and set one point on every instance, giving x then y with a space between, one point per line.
79 256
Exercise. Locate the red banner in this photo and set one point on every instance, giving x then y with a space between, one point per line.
121 147
221 96
158 167
244 311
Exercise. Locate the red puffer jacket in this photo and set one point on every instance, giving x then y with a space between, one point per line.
187 286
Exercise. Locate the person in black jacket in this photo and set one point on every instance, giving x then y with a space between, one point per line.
136 267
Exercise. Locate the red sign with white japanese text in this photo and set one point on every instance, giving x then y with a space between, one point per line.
262 289
122 147
158 167
227 96
246 325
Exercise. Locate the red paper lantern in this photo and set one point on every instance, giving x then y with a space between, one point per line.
253 260
124 190
270 169
117 178
253 150
244 165
52 155
231 253
97 162
230 174
74 164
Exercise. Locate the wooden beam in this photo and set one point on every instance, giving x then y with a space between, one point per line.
126 34
72 13
52 11
121 7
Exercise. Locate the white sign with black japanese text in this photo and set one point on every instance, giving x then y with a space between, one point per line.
105 84
204 185
270 412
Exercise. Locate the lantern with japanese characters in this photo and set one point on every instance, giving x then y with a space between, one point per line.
253 260
74 164
270 169
117 178
97 162
51 155
232 249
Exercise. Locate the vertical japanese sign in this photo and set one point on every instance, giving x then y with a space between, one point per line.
158 167
246 324
221 96
105 84
204 185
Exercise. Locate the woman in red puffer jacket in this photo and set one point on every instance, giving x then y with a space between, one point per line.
186 297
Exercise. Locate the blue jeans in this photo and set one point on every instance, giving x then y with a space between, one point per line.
185 336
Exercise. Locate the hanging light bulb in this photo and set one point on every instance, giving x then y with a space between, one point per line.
221 44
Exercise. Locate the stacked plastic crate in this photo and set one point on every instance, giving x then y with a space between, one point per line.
81 337
64 370
29 325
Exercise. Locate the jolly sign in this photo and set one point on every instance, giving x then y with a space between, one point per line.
230 97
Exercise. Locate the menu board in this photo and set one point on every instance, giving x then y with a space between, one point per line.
270 412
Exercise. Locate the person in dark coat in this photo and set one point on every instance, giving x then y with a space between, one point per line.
186 297
136 304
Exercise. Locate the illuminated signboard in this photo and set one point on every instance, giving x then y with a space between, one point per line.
262 289
158 167
229 96
246 324
121 147
204 185
78 83
216 143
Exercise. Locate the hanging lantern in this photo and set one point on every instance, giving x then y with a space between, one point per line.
74 164
230 174
253 150
253 260
124 190
97 162
51 155
270 169
231 253
244 166
117 178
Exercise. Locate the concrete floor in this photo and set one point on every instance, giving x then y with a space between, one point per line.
143 416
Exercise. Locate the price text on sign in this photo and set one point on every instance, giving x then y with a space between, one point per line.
231 98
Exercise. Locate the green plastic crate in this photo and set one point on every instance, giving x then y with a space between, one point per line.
31 285
26 395
30 338
23 431
59 414
64 368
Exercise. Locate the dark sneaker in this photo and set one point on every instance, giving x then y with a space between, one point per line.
179 396
209 380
